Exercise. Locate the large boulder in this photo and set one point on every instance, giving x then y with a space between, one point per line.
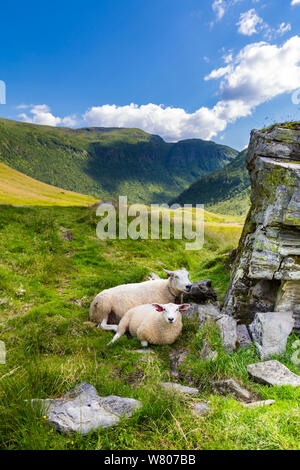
270 331
266 271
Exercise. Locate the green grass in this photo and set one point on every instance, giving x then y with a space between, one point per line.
19 189
41 278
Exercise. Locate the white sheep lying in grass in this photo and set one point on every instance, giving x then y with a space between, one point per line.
122 298
153 323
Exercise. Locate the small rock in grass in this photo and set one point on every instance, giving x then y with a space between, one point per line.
231 387
82 410
143 351
201 409
67 235
273 373
177 357
255 404
179 388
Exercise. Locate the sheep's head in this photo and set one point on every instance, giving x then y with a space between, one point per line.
179 280
170 312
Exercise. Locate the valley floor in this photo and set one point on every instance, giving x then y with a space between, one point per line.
47 282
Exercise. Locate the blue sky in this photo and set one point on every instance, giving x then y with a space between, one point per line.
212 69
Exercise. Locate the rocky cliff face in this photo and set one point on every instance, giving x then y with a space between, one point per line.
266 271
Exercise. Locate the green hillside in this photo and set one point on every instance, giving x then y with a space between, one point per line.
46 285
19 189
225 191
108 162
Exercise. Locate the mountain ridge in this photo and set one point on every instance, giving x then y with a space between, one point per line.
108 162
224 191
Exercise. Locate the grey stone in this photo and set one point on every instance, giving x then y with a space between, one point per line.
179 388
191 312
82 410
120 406
243 337
266 272
208 312
177 357
273 373
256 404
207 353
270 331
227 326
231 387
200 293
201 409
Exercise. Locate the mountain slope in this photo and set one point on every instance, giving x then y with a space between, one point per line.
108 162
19 189
224 191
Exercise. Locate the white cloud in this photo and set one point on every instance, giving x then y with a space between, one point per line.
218 7
40 114
284 28
170 123
295 2
249 21
258 73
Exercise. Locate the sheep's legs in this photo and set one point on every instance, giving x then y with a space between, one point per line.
144 344
117 336
106 327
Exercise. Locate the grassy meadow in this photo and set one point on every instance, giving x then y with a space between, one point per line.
19 189
46 285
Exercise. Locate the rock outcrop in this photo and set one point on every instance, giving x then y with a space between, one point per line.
266 271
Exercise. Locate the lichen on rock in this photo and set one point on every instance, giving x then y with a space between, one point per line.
266 272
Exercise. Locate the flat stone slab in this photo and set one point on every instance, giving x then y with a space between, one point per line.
82 410
179 388
256 404
273 373
231 387
201 409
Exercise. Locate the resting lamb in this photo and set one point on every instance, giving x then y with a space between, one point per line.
153 323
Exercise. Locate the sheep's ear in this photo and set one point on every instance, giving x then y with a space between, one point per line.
158 307
183 307
169 273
